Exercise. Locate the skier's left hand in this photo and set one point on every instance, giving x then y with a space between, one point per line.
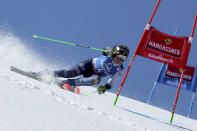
101 89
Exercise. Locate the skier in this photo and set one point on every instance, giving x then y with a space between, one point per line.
94 69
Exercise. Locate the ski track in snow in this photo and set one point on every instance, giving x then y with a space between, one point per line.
60 98
54 94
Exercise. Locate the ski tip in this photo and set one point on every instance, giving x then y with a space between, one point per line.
77 90
66 86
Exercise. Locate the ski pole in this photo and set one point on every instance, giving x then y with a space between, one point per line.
64 42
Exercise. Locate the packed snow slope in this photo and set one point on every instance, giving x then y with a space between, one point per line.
27 104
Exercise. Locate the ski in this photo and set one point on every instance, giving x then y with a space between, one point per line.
61 83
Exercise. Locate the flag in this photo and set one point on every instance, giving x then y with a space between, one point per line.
164 48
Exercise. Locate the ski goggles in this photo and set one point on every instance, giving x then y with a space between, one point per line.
121 57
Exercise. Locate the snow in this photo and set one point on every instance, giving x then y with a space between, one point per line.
27 104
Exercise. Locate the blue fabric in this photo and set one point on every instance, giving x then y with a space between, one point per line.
83 68
104 66
92 70
84 81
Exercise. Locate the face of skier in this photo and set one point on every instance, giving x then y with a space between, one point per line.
117 60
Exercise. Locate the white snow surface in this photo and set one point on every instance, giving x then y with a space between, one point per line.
29 105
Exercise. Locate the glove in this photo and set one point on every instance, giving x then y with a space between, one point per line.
106 51
101 89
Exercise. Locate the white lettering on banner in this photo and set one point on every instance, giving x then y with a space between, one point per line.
160 57
164 48
176 83
173 74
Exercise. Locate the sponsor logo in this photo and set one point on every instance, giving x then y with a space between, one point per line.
168 41
181 70
164 48
118 69
176 83
160 58
108 67
177 75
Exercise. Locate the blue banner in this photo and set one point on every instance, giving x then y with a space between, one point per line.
171 76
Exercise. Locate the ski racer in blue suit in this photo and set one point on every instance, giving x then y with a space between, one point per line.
94 69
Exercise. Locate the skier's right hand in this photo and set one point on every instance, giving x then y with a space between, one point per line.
106 51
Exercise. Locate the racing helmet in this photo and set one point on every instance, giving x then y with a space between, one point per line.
120 51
